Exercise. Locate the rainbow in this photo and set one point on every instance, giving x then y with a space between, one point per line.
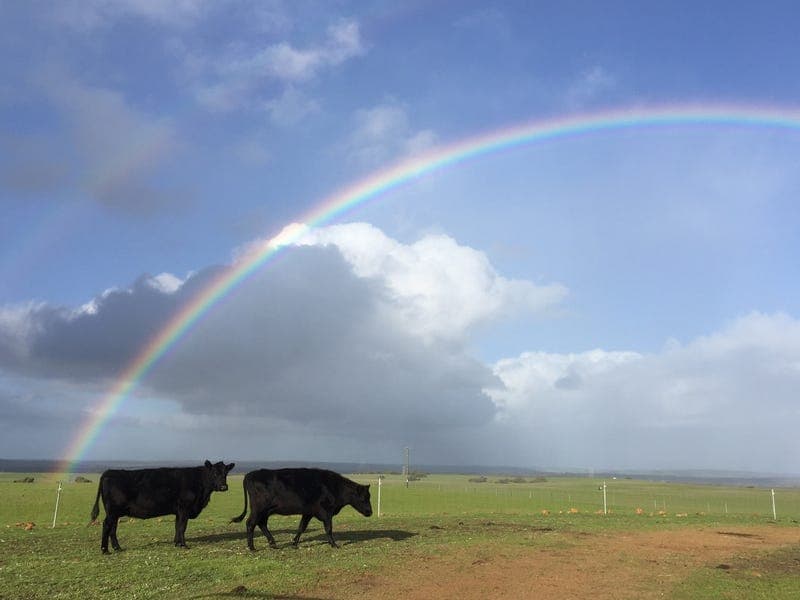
376 184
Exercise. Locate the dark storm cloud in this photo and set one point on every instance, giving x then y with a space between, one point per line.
304 341
93 342
308 341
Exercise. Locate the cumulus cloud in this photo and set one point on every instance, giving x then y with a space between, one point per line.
441 290
383 133
723 399
327 338
350 339
309 343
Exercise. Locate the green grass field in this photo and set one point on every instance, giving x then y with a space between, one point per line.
428 517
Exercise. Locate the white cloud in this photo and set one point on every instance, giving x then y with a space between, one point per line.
166 283
290 107
285 62
439 289
357 340
245 76
281 61
531 377
384 133
726 399
349 335
344 41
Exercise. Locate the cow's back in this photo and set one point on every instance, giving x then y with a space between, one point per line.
145 493
294 490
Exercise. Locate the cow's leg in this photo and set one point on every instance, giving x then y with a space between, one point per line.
328 523
303 524
114 540
106 533
110 531
181 520
251 526
265 530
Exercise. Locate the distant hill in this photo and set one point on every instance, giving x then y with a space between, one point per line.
734 478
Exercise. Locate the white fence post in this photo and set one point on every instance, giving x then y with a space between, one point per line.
58 497
380 479
605 503
774 514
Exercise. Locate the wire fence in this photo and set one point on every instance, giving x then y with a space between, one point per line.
451 495
46 502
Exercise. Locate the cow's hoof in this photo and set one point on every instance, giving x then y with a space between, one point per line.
105 550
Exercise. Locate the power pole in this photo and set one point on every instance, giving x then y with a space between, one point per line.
406 463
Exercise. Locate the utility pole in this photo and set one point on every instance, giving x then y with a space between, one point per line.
406 464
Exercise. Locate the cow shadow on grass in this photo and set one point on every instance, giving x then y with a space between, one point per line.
342 537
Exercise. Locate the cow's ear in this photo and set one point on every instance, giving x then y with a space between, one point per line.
208 464
230 466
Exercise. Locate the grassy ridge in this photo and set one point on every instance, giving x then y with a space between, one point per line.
420 520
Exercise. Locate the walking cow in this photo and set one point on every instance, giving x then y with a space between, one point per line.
308 492
145 493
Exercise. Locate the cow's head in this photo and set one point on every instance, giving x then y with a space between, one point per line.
218 474
360 500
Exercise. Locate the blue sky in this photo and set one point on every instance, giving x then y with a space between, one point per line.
620 299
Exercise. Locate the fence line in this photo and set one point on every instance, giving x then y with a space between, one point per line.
572 495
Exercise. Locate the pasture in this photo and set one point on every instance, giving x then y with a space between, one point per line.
442 536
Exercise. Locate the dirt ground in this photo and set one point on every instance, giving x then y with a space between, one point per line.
603 566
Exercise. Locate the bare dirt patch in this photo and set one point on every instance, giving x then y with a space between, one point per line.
601 566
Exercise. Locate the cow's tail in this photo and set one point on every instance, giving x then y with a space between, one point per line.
244 512
96 508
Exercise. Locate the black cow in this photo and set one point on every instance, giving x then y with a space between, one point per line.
309 492
145 493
